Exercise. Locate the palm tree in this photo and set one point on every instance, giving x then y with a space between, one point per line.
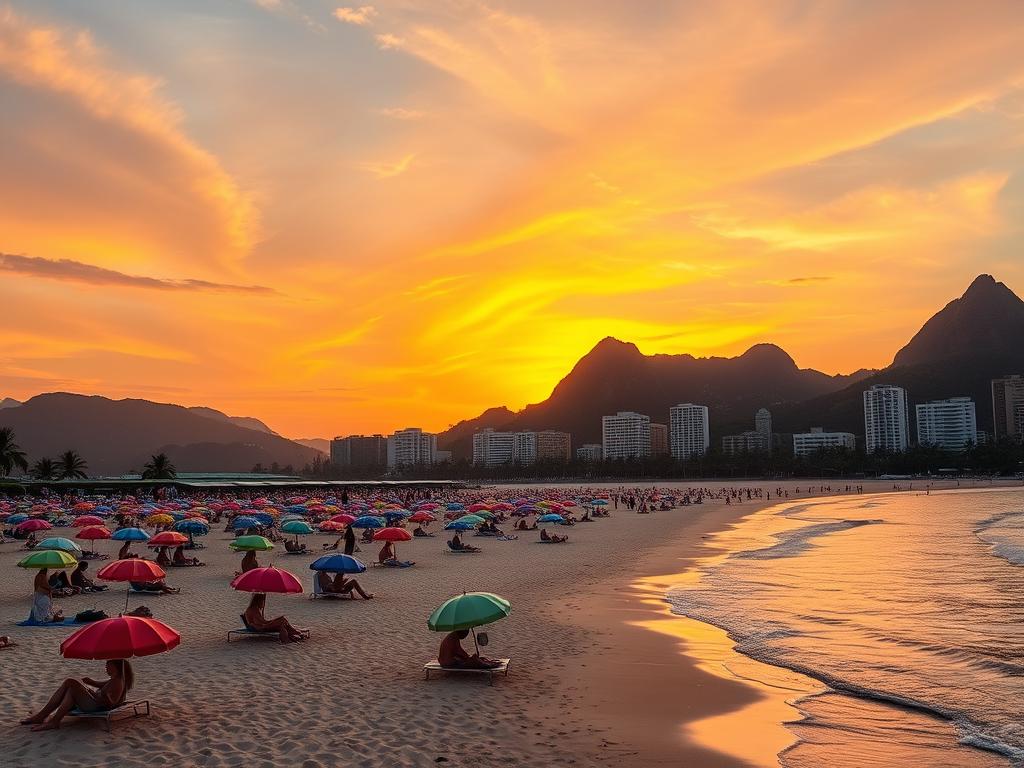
11 455
159 468
44 469
71 466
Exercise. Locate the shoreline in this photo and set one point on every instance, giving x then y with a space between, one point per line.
683 703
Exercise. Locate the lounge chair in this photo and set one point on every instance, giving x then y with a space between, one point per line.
247 630
318 592
130 710
435 666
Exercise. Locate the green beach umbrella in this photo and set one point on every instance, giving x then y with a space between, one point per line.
468 610
474 519
296 527
252 543
48 558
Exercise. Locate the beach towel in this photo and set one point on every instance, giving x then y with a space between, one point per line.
30 622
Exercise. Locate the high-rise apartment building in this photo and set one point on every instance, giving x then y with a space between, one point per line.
1008 407
659 439
805 443
949 424
359 451
491 448
553 445
626 435
689 433
590 452
758 440
885 419
411 446
763 427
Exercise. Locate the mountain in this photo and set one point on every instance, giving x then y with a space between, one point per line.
118 436
616 376
242 421
9 402
957 353
316 443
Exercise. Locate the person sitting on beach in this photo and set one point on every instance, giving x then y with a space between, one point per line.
335 545
420 532
522 526
162 559
159 586
249 561
254 619
456 544
124 553
452 655
83 582
5 640
180 561
586 517
60 586
294 547
553 538
78 694
386 556
367 536
30 542
339 585
42 601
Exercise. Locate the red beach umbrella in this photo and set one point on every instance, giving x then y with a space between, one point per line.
93 533
167 539
343 518
85 520
132 569
392 534
331 525
33 525
120 638
268 579
421 517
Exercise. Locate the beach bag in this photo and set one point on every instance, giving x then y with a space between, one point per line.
482 639
84 617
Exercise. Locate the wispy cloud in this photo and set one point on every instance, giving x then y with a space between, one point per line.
401 113
79 272
361 16
387 41
389 170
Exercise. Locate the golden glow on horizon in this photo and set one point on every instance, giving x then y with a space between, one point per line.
439 207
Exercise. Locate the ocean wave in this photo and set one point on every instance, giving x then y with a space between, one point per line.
792 543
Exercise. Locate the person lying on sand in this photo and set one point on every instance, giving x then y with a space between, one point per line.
420 532
83 582
339 585
453 656
294 546
155 586
335 545
456 543
180 561
522 526
255 619
553 538
77 694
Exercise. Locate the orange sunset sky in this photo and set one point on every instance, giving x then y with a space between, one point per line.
359 218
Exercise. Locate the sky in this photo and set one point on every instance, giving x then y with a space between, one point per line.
345 219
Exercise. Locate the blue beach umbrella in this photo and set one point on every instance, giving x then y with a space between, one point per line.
460 525
64 545
454 506
245 521
367 521
551 518
296 527
192 527
130 534
16 518
337 564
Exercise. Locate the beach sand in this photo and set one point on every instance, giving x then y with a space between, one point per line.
599 673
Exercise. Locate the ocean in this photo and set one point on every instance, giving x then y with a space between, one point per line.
907 610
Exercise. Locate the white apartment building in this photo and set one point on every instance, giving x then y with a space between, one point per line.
491 448
626 435
689 433
411 446
949 424
763 426
817 439
885 419
590 452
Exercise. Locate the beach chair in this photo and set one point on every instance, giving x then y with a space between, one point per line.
319 593
129 710
435 666
247 631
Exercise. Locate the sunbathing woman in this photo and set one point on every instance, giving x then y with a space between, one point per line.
125 551
83 582
339 585
522 526
180 561
553 538
249 561
420 532
76 694
294 547
255 619
159 586
387 557
456 543
162 558
452 655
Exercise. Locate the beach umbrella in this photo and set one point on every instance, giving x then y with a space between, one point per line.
245 521
393 535
551 518
330 525
17 517
468 611
267 579
48 558
193 526
421 517
454 506
84 520
64 545
251 544
30 526
337 564
344 517
297 527
93 532
130 534
474 519
599 503
460 525
478 507
129 570
159 519
368 521
123 637
167 539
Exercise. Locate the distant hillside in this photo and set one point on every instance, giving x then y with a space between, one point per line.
321 444
9 402
242 421
118 436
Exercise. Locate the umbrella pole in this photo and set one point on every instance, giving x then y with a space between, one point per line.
128 593
475 645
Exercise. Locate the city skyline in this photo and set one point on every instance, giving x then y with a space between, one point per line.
378 215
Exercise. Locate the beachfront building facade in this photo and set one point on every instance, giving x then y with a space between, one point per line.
947 424
492 448
590 452
412 446
626 435
806 443
885 419
359 451
763 427
1008 407
689 430
757 440
659 439
553 445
